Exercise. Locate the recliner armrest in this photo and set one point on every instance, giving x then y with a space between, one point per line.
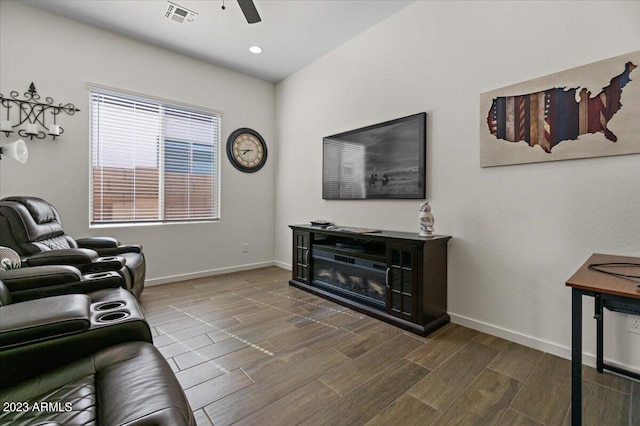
42 319
45 281
17 280
74 257
122 249
108 246
96 243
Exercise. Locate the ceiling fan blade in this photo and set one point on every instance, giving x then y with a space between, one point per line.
250 11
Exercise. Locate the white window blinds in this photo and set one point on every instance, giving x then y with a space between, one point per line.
152 162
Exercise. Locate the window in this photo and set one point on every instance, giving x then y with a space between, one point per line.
151 161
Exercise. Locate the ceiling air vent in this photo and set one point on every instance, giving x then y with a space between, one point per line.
179 14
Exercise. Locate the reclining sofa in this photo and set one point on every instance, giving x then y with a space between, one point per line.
84 359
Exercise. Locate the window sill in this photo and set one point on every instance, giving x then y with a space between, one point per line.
145 224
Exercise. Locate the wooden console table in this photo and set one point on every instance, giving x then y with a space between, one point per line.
397 277
611 292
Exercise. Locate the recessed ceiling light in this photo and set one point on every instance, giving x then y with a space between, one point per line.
255 49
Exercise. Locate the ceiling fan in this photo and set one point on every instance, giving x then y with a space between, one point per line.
250 11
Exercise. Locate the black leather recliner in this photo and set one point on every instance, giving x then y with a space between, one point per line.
84 359
32 227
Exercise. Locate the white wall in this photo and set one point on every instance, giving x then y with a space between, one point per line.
519 232
61 56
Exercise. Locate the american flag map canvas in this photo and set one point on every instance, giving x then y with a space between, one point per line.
589 111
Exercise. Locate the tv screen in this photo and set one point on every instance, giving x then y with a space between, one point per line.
385 160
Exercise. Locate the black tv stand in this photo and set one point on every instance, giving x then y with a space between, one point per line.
397 277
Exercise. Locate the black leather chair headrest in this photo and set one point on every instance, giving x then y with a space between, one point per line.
40 210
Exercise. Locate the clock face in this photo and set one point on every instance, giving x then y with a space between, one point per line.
246 150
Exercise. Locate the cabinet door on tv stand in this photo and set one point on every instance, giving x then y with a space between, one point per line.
301 256
402 281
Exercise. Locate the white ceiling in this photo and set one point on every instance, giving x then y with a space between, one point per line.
292 34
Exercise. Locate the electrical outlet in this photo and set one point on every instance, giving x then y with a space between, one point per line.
245 248
633 324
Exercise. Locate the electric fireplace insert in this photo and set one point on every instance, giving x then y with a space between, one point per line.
354 277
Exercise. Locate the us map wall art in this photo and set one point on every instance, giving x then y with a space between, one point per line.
588 111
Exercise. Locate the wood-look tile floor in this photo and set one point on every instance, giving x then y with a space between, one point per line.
251 350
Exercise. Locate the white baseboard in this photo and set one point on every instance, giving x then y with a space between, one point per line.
523 339
535 343
532 342
282 265
203 274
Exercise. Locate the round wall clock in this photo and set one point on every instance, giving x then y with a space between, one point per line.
246 150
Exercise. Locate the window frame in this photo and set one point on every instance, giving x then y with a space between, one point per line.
217 149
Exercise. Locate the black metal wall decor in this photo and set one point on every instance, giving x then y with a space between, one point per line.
32 115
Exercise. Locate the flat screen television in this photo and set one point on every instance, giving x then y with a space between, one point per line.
381 161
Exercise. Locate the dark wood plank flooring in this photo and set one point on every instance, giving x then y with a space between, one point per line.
251 350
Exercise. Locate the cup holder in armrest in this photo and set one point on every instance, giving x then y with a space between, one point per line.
113 316
107 306
98 275
109 263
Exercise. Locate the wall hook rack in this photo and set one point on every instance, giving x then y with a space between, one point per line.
32 114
